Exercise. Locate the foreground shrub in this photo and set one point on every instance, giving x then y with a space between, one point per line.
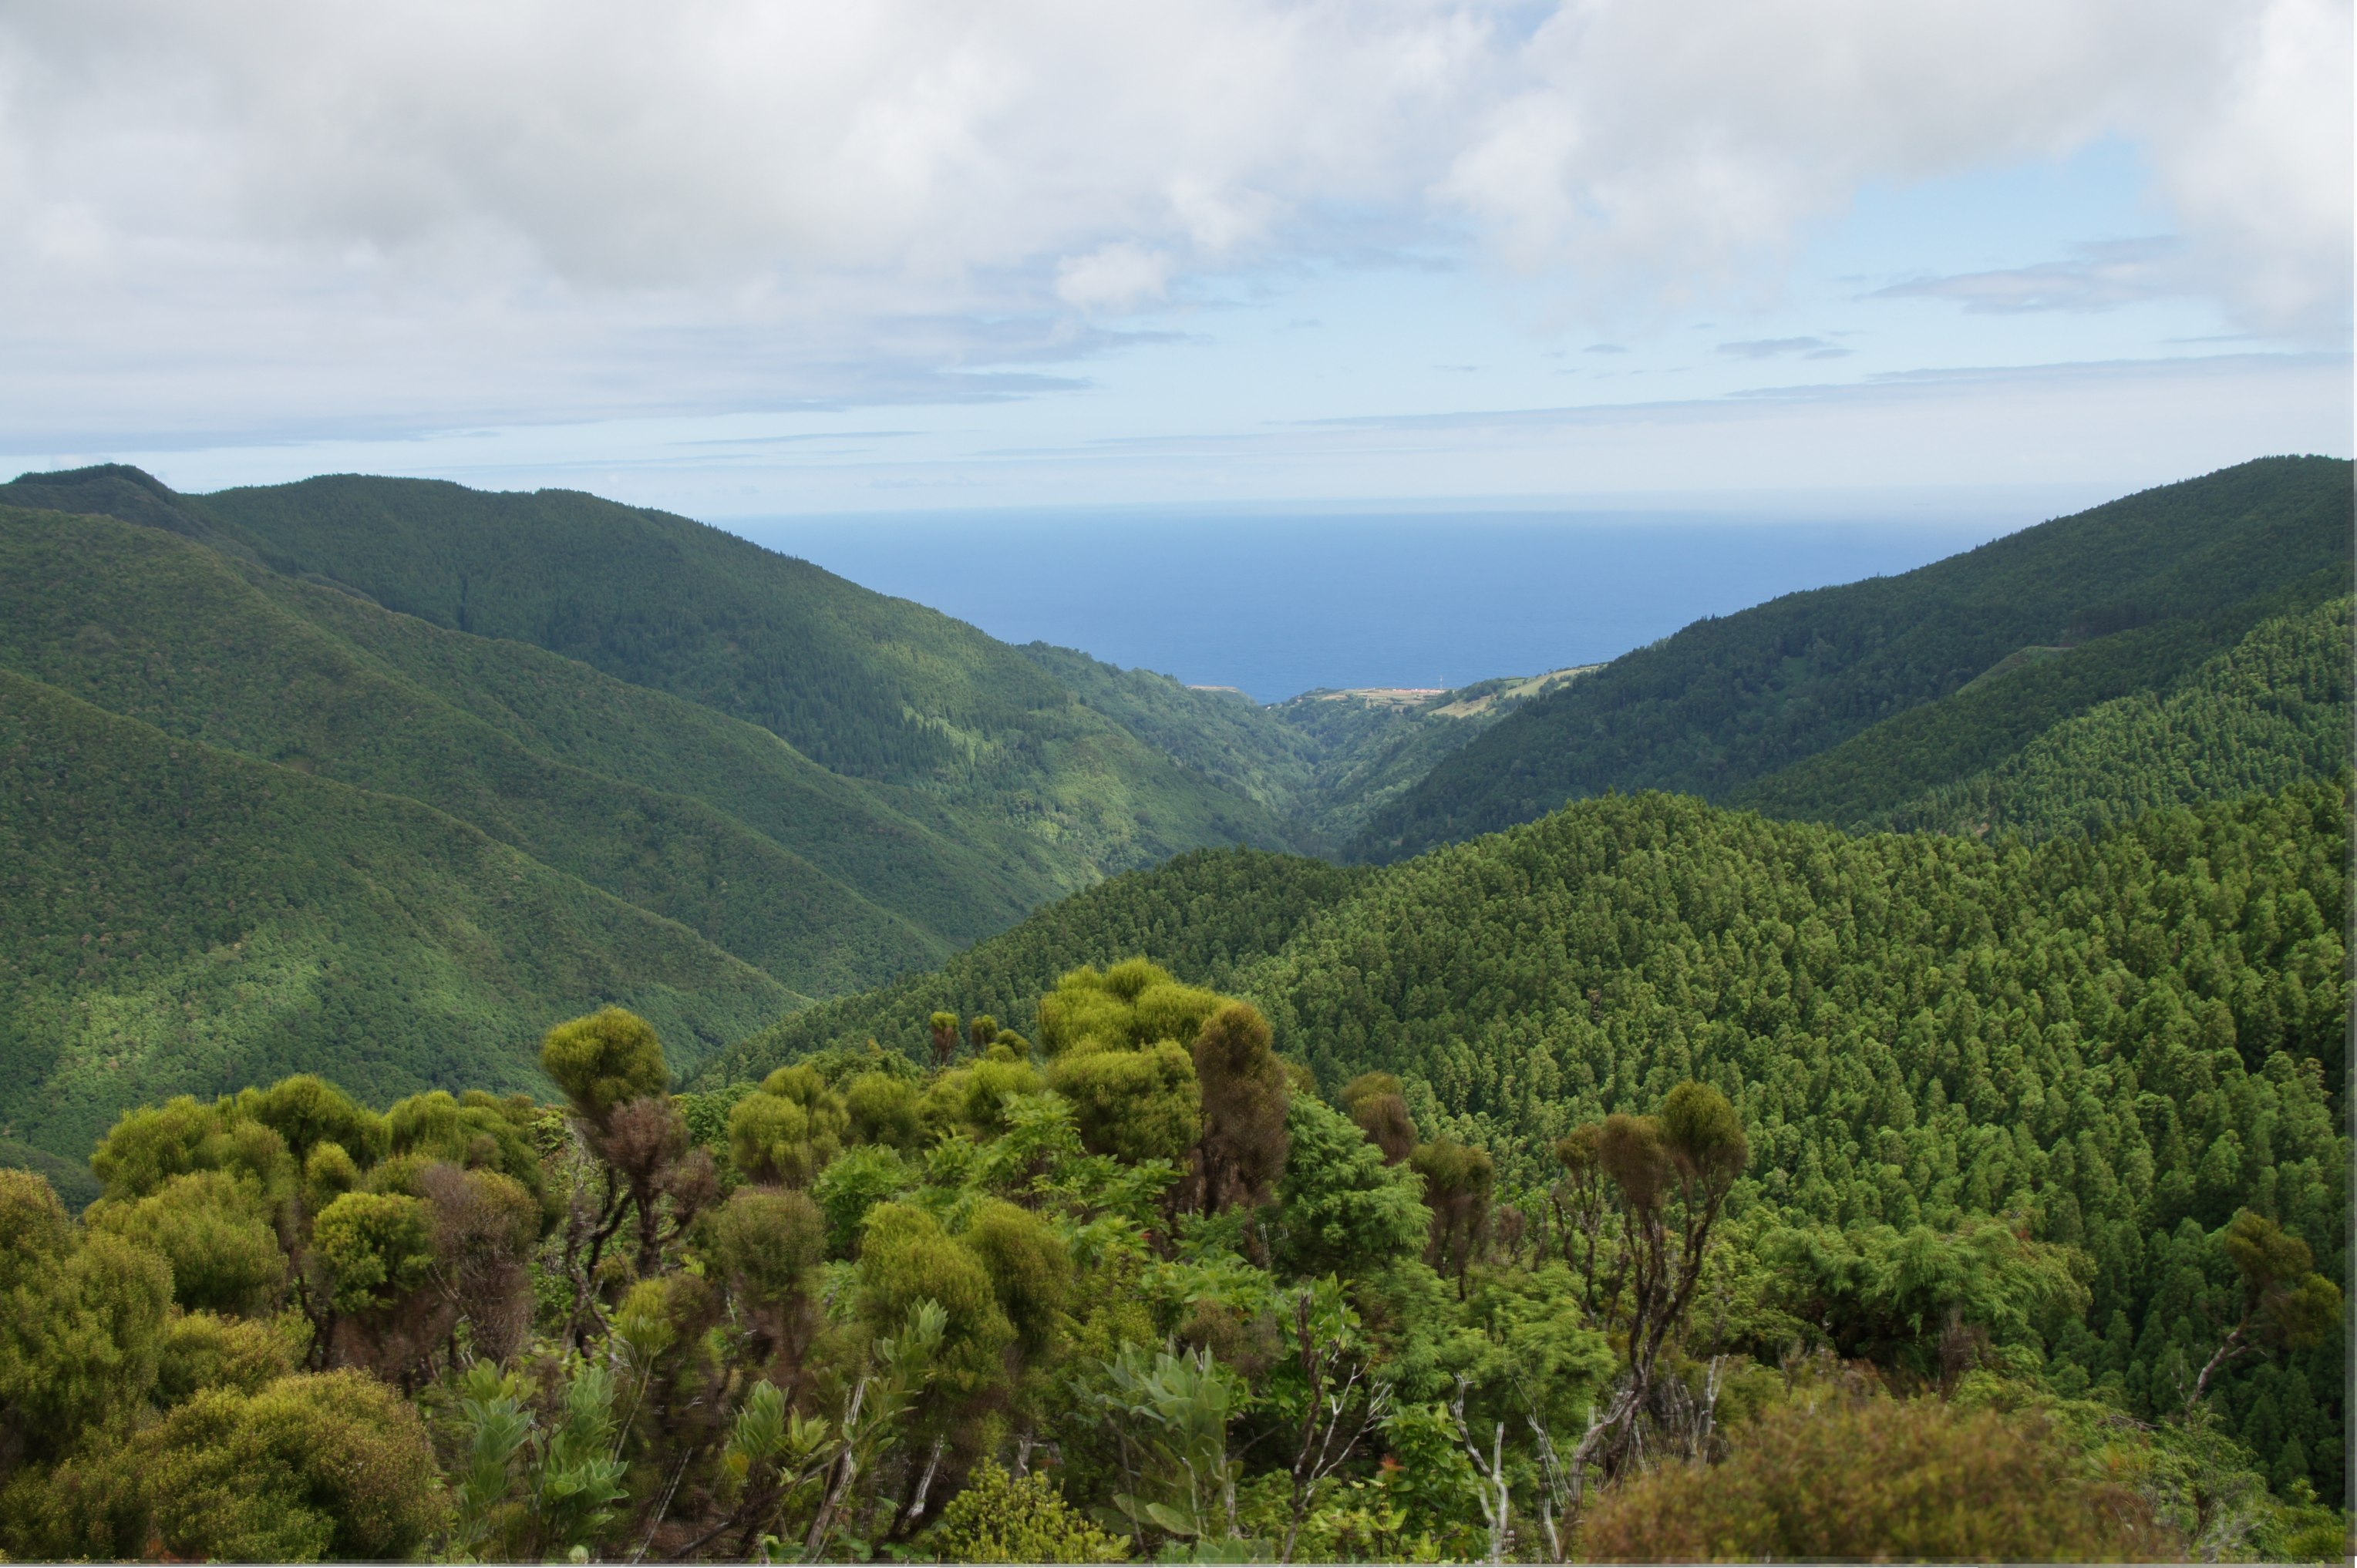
1000 1518
1879 1480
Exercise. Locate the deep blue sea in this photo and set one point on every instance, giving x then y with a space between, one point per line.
1278 606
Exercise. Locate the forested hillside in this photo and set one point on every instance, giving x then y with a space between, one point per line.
2122 1041
2274 710
182 918
154 628
213 629
869 687
2129 597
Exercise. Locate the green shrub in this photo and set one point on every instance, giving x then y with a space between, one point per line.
1003 1519
1879 1480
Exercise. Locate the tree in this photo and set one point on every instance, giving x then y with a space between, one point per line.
1132 1104
767 1244
999 1518
1378 1103
81 1330
603 1061
1245 1092
225 1257
1671 1172
1458 1183
944 1027
1340 1209
2286 1303
321 1466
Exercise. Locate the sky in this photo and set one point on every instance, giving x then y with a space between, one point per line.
755 261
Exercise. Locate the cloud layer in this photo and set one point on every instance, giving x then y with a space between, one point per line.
257 213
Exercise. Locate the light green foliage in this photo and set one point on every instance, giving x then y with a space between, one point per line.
971 1102
996 1518
1029 1266
1132 1104
906 1260
883 1108
329 1465
373 1247
306 1111
35 1230
1204 913
80 1332
1132 1003
1881 1479
854 1183
789 1130
476 1130
150 1146
1340 1209
1119 1050
605 1060
209 1227
203 1350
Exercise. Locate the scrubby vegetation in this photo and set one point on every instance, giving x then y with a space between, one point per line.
2120 1041
1137 1291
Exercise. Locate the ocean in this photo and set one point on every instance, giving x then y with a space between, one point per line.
1277 606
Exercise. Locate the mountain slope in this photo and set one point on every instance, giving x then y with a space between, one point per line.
1869 775
188 920
1731 699
2274 710
143 623
869 687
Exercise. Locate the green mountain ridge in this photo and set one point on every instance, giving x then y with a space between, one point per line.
196 620
149 626
1722 707
867 686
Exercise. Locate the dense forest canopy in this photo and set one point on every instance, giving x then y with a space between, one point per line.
1138 1289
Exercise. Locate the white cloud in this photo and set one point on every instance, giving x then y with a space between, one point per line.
1115 278
281 210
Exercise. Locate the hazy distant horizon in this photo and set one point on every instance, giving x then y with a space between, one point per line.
1279 605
